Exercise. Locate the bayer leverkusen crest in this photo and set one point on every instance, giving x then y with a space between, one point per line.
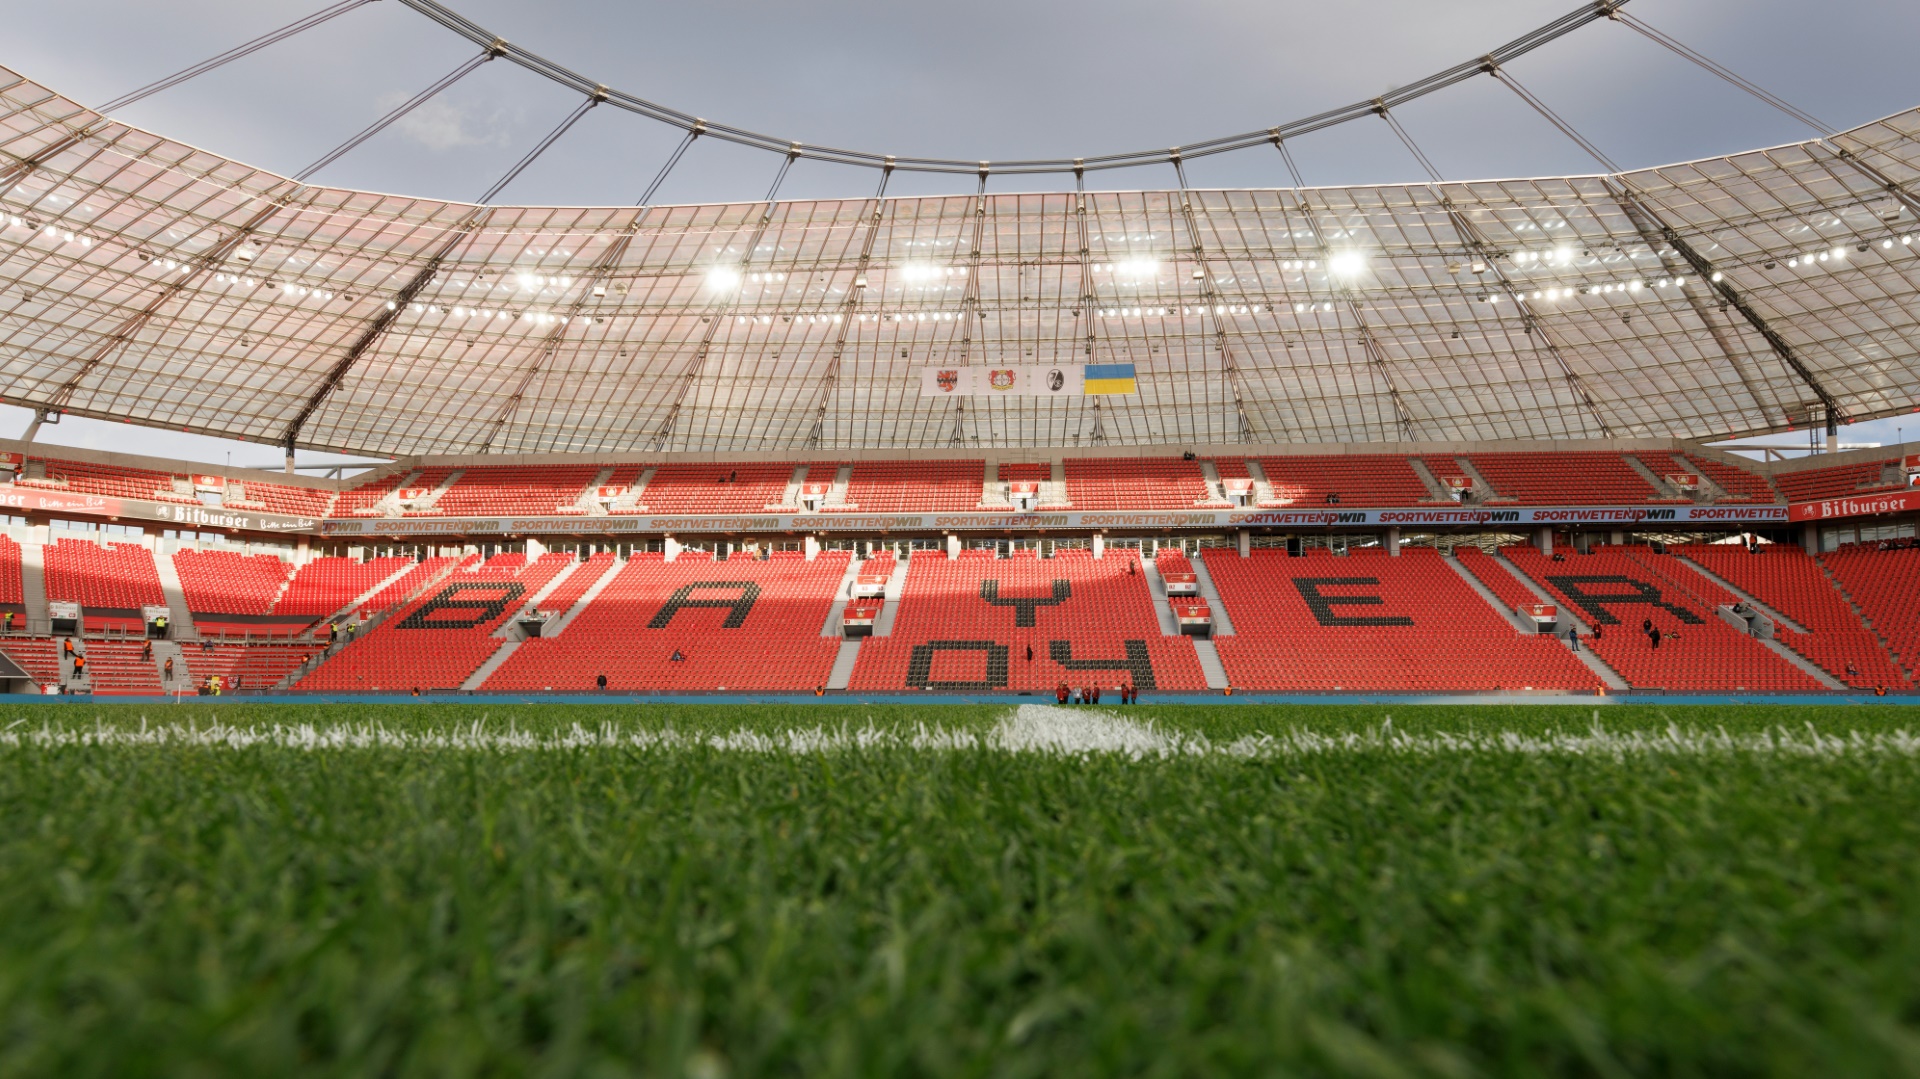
1001 378
947 379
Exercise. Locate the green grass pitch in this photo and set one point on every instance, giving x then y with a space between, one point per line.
256 889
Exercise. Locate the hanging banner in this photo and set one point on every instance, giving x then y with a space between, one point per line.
1027 380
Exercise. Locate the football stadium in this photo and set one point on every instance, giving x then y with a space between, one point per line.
1062 624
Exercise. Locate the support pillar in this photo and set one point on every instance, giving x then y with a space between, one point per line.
1393 540
1099 545
670 548
1617 537
1543 539
812 547
535 548
953 546
1246 543
1810 537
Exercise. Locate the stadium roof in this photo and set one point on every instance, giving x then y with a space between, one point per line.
154 282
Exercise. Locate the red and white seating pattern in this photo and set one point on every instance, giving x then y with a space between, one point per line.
955 630
1369 622
1791 582
116 577
1886 586
739 625
1116 483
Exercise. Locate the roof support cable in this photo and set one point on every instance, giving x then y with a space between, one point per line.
541 147
399 111
970 312
1681 50
646 197
849 311
592 285
1376 356
235 53
1652 229
1587 12
1210 304
1487 254
663 434
429 271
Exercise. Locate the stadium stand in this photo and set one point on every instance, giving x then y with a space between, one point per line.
227 582
1616 589
282 498
1885 585
969 623
1359 479
1790 581
1517 597
434 642
1578 479
111 583
116 668
1370 622
325 585
1740 484
111 481
12 596
1812 485
515 490
258 667
714 488
1104 483
38 656
742 624
576 585
915 486
410 582
359 501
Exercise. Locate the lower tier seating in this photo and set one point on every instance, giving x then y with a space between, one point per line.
241 667
1791 582
1024 623
739 624
436 641
1617 590
1886 586
1374 623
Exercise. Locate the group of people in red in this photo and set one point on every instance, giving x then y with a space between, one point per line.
1066 694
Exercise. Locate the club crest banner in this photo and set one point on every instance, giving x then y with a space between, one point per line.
1026 380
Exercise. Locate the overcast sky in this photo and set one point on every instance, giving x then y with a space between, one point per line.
985 79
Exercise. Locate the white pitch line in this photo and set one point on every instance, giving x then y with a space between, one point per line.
1030 728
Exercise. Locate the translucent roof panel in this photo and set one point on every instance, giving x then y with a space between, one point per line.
151 281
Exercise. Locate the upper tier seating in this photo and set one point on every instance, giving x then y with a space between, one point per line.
1360 480
516 490
1576 479
1130 483
439 639
12 598
1839 481
1374 623
1791 582
285 498
326 585
111 481
740 624
968 624
715 488
1886 585
915 486
227 582
359 500
116 577
1740 485
1617 588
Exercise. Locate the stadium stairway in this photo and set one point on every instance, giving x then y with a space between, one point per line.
608 571
841 674
181 626
587 503
33 585
1520 625
1601 669
1222 618
1659 483
1772 644
512 634
890 605
1435 491
170 650
831 627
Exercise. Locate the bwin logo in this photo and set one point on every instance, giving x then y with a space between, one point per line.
1351 518
1660 515
1503 515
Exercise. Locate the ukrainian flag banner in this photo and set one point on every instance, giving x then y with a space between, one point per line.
1103 378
